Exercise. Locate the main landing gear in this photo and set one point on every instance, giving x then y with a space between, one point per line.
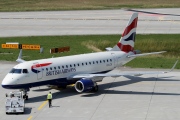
95 89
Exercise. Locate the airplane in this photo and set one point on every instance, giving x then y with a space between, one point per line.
83 70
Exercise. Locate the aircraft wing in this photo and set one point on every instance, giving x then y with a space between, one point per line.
124 73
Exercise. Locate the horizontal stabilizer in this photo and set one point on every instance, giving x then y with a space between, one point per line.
144 54
108 49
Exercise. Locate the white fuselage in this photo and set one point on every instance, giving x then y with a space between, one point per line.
57 71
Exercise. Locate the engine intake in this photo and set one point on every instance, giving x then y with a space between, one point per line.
84 85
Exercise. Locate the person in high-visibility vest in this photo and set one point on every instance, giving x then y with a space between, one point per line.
49 97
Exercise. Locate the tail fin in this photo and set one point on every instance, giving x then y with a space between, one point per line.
127 40
19 59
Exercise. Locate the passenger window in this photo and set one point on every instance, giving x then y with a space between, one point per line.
86 63
55 68
62 66
90 63
104 61
47 69
82 64
107 61
58 67
93 62
97 62
74 65
78 64
25 71
100 61
111 60
50 68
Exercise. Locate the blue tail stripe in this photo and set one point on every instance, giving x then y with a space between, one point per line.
131 37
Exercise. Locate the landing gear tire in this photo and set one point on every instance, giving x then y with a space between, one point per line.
25 97
95 89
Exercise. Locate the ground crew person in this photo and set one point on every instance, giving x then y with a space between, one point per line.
49 97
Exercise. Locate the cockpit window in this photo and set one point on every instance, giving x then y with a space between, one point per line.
16 71
25 71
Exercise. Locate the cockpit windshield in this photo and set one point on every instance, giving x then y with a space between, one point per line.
16 71
19 71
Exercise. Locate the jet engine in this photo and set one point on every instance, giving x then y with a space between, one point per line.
86 85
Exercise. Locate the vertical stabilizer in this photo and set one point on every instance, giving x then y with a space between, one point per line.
127 40
19 59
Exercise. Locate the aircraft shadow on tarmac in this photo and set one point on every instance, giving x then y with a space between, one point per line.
104 89
132 80
27 110
40 90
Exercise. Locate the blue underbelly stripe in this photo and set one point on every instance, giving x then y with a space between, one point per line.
60 81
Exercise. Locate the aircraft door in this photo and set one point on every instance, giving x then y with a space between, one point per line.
114 59
38 70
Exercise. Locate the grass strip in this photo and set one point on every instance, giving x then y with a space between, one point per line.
54 5
93 43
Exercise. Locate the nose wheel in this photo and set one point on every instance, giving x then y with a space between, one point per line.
25 96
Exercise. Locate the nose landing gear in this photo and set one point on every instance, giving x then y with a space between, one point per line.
25 96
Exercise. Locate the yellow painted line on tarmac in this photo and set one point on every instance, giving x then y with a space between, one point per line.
42 105
29 118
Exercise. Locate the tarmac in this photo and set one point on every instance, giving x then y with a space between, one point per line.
147 97
87 22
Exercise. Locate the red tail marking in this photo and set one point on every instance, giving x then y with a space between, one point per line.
125 48
130 27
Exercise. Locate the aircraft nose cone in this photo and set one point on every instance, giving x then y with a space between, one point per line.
7 82
4 84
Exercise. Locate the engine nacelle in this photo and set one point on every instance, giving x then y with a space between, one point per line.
84 85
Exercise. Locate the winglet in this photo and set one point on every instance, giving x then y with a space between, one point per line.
20 60
174 66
